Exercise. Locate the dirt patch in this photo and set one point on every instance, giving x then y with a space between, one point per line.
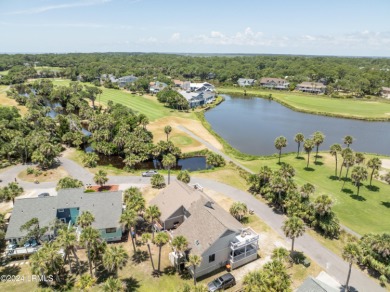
157 128
149 193
108 188
44 175
385 163
6 101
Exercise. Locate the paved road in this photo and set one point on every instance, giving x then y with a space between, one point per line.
329 261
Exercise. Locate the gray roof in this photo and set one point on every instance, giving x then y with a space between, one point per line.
315 285
206 224
173 197
311 84
105 206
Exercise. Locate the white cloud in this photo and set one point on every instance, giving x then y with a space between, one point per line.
176 36
42 9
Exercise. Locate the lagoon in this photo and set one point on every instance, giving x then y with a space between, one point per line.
251 125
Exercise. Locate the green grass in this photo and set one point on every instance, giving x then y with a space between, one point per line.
147 105
347 108
363 214
4 72
54 69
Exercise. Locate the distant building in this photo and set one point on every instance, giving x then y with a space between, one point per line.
246 82
312 87
106 207
274 83
178 83
123 81
212 233
110 77
157 86
385 92
198 98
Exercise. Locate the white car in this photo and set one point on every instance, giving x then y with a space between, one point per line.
149 173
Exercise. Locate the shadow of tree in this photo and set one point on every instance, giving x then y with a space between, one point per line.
300 158
185 275
347 191
309 169
350 289
318 163
169 271
10 270
373 188
140 256
386 204
132 284
334 177
358 198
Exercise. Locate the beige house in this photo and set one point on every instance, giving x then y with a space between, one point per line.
385 92
212 232
312 87
274 83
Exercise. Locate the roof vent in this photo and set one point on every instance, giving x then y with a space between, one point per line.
209 204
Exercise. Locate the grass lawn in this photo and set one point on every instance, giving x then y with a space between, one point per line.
6 101
54 69
351 108
4 72
368 212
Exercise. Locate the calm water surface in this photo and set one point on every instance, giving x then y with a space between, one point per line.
252 124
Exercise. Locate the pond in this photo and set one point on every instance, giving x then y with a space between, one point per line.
252 124
190 164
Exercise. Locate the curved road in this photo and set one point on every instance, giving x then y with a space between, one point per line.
330 262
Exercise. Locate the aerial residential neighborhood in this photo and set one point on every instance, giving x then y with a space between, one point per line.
193 147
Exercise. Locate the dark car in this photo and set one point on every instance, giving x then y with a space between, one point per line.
43 195
149 173
221 283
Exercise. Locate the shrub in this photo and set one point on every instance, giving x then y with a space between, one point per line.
157 181
215 160
30 170
89 191
184 176
37 172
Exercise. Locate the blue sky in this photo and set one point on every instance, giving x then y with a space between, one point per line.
343 27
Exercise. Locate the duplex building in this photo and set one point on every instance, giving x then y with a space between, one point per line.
246 82
312 87
212 232
106 207
274 83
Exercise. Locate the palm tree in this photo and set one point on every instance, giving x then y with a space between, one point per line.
293 227
68 241
286 170
374 163
180 244
38 263
348 140
167 130
194 261
344 153
115 258
146 237
136 203
322 205
55 261
386 177
308 146
85 219
85 282
318 138
281 254
335 149
358 175
350 254
13 190
69 183
280 143
129 218
278 185
160 240
88 237
348 162
306 190
113 285
359 157
168 162
238 210
299 138
152 214
100 178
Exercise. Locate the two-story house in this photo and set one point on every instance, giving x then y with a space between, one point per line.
274 83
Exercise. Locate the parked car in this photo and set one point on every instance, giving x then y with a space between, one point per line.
31 243
43 195
221 283
149 173
12 246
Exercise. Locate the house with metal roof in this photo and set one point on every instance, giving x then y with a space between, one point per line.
106 207
211 231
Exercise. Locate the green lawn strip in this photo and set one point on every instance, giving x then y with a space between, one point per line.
323 105
54 69
4 72
363 214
